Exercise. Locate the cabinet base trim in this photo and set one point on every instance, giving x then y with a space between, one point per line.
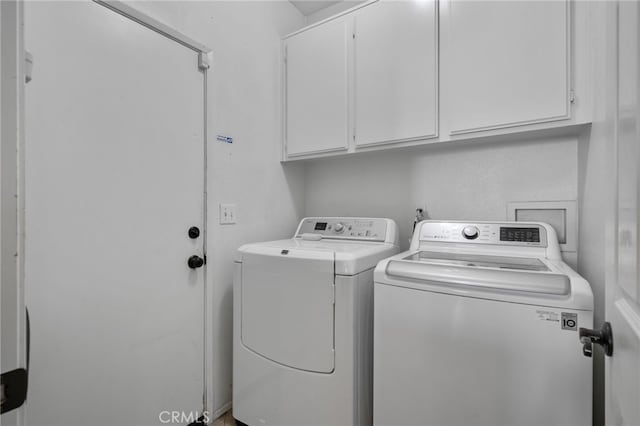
395 141
513 124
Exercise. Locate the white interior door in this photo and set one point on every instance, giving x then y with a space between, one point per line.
623 286
115 180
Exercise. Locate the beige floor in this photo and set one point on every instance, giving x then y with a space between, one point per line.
225 420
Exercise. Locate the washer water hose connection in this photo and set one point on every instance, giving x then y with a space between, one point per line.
419 217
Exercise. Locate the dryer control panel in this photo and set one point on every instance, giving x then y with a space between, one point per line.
347 228
520 234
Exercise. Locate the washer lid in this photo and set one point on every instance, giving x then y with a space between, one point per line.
485 273
475 260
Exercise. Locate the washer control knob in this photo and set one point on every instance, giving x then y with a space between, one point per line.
338 228
470 232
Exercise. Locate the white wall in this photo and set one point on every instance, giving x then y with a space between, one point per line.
331 10
472 181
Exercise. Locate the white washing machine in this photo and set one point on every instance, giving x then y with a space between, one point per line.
477 324
303 323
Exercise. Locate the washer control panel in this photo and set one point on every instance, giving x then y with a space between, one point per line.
484 233
368 229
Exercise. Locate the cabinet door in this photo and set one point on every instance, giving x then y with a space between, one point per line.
505 63
395 72
316 90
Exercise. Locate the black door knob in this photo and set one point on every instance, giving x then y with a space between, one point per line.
602 337
194 232
195 262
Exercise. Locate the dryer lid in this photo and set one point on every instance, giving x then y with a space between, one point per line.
351 257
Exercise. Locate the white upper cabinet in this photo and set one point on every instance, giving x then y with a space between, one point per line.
316 89
504 63
395 72
402 73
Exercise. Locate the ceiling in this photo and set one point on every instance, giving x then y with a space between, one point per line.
307 7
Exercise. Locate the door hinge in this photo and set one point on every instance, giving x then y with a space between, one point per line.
28 67
204 60
14 389
333 294
572 96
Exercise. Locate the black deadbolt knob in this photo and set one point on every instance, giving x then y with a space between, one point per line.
195 262
194 232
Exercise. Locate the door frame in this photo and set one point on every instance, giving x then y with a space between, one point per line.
12 80
205 57
159 27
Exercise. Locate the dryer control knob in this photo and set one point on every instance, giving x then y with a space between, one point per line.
338 228
470 232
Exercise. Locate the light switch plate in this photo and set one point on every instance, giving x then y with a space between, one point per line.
227 214
562 215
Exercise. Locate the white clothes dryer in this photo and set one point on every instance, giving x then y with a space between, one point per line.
303 323
477 324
